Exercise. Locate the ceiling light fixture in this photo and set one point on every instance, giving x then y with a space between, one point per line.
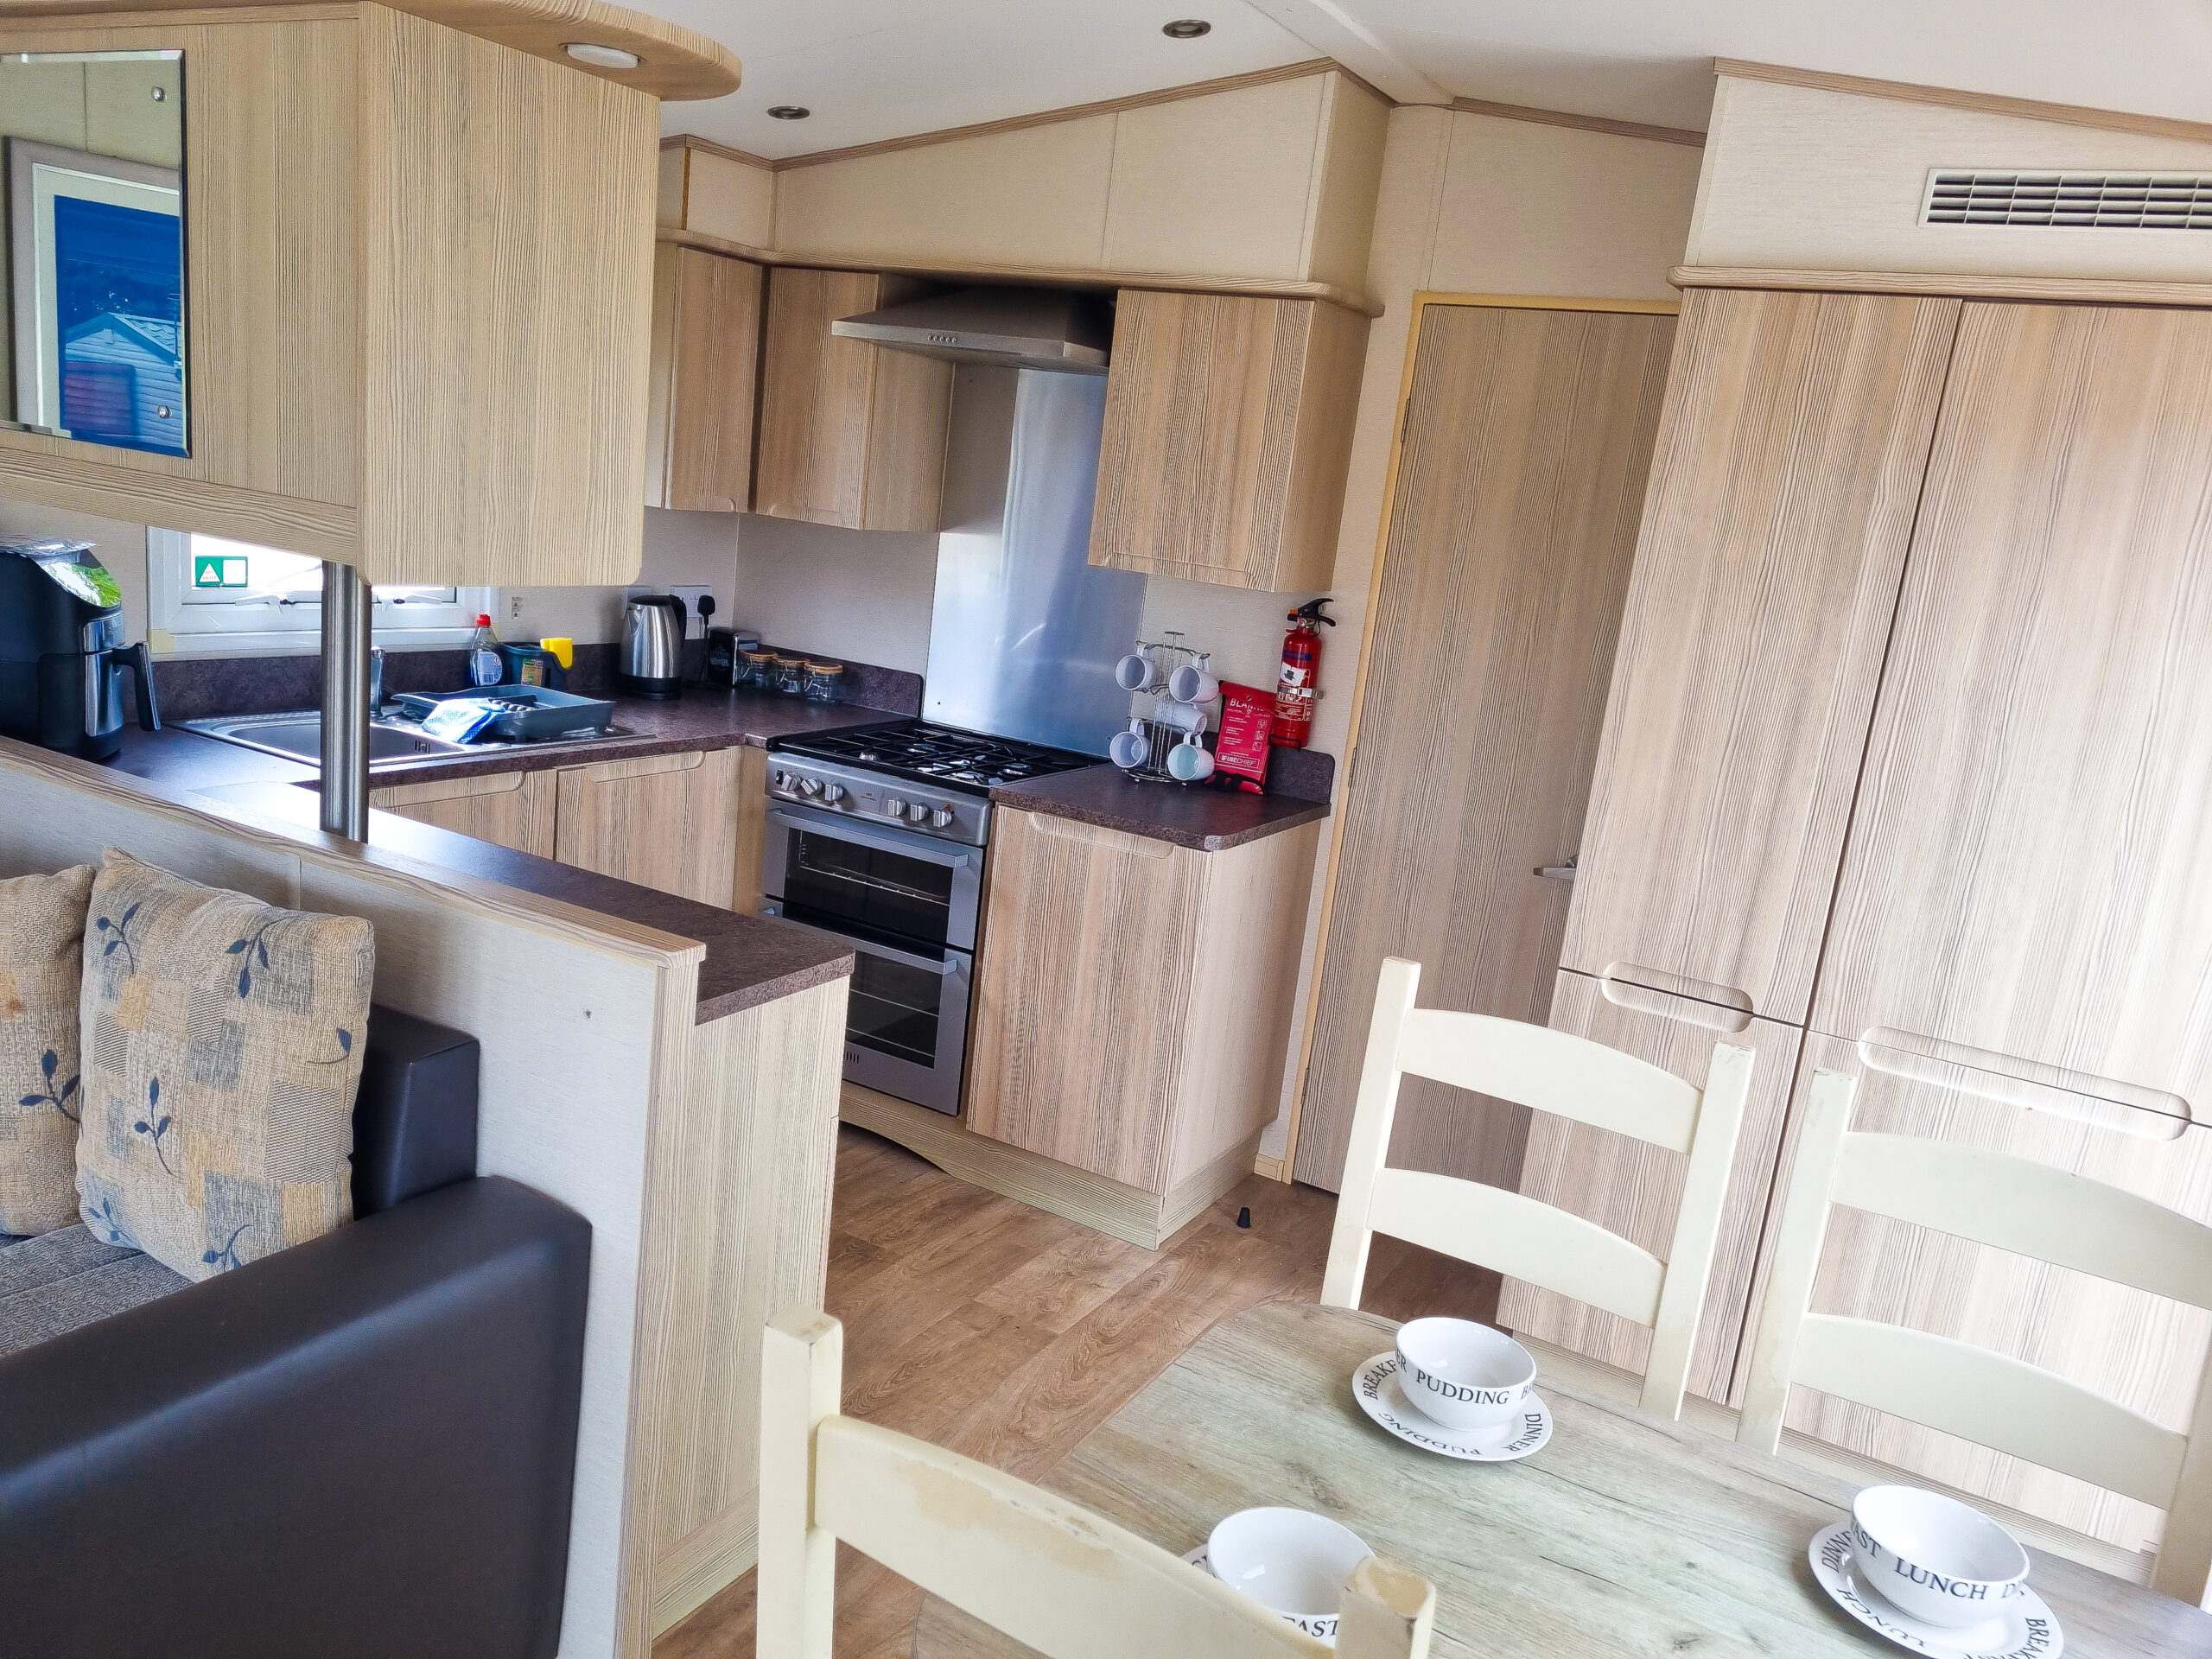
605 57
1186 29
789 111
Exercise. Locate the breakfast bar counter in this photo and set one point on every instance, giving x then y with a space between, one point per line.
1627 1535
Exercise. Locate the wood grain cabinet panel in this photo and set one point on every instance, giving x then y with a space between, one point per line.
1789 459
1227 439
2026 873
706 356
1132 999
666 821
1633 1188
1511 531
2144 1350
851 434
509 808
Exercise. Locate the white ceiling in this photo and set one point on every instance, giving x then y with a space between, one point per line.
872 69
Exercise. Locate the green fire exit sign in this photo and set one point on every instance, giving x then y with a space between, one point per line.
219 570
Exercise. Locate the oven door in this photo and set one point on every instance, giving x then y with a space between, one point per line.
836 873
906 1020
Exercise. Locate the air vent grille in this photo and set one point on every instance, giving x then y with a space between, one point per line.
2077 201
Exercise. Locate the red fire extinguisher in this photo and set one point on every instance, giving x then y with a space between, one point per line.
1301 667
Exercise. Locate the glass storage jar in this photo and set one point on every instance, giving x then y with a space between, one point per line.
825 682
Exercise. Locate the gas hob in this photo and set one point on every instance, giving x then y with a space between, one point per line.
941 756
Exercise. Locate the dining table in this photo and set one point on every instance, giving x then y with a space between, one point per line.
1625 1534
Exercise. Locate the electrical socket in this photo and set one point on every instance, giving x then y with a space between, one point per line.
690 598
514 607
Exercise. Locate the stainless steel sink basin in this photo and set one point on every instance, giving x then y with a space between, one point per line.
299 737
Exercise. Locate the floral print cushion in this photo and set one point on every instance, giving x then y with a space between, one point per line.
41 930
221 1055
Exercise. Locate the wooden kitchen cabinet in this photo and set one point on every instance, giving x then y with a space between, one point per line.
706 356
1228 435
1633 1188
418 283
664 821
1789 459
509 808
1133 1001
851 434
2144 1350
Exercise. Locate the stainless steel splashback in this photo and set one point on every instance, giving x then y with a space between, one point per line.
1025 633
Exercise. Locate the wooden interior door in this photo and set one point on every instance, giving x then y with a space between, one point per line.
1520 477
1797 434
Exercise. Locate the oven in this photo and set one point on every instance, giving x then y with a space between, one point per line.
907 902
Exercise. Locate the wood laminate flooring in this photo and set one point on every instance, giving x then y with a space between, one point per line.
1009 1334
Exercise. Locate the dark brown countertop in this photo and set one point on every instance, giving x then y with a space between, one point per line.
750 959
1206 818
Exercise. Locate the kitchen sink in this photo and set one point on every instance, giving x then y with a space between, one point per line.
299 736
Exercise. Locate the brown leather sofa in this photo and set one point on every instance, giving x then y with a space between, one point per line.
363 1444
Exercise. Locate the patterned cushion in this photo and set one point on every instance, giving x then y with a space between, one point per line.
58 1281
41 954
221 1056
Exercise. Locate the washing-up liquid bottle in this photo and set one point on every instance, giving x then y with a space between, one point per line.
485 667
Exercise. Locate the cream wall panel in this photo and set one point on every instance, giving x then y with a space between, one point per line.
1035 197
1798 177
1339 232
1531 209
1220 186
729 199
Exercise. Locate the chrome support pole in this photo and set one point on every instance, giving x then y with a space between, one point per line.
345 613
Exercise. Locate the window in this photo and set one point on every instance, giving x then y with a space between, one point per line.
212 594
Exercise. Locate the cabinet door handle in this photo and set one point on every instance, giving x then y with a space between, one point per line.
2107 1102
1560 872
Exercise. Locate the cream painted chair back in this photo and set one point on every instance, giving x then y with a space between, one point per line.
1992 1399
1549 1071
1035 1566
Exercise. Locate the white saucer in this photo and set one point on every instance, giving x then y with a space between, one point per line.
1197 1558
1376 1386
2025 1630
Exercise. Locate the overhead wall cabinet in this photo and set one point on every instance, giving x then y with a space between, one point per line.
1228 438
706 361
1905 776
851 434
418 277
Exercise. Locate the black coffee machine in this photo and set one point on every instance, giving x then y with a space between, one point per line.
61 651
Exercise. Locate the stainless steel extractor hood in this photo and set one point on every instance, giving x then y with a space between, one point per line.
1059 329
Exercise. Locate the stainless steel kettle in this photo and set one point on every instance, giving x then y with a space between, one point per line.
652 646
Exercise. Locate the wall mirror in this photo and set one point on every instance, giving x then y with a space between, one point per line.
94 250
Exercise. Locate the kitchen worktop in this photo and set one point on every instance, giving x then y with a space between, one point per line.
750 959
1199 817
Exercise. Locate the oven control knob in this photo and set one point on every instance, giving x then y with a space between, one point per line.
782 781
895 808
942 818
833 793
809 786
917 813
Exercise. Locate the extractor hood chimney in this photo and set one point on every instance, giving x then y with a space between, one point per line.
1059 329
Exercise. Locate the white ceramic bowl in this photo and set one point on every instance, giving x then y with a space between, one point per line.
1293 1562
1465 1375
1942 1561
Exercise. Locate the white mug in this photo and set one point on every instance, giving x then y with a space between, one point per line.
1192 683
1190 760
1137 673
1130 748
1182 717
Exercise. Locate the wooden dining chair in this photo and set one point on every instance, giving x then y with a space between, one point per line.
1033 1566
1492 1227
2029 1209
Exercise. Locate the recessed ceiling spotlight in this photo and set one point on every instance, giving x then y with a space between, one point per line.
606 57
789 112
1186 29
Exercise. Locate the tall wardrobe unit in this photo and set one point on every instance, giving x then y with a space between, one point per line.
1906 773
